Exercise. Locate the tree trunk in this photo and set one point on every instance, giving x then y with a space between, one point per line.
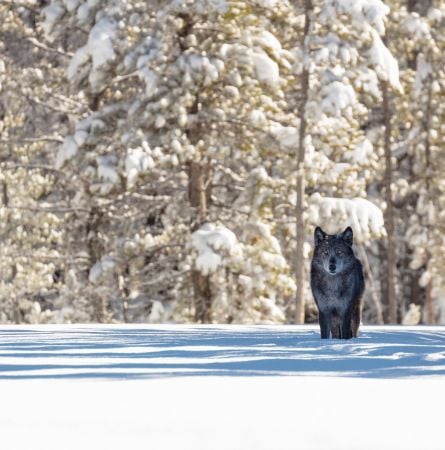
389 213
372 286
421 7
95 251
17 315
199 188
299 275
124 291
430 195
203 297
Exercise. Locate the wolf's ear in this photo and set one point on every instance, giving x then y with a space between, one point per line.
319 235
347 236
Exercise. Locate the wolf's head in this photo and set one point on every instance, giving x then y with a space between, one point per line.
333 252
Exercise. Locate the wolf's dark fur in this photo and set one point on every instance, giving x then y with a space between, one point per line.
337 284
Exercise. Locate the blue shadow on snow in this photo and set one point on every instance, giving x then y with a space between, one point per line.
148 352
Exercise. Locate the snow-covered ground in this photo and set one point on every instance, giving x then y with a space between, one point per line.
220 387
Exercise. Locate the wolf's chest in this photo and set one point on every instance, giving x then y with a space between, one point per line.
336 290
334 285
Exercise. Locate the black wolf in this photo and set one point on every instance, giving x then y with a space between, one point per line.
337 284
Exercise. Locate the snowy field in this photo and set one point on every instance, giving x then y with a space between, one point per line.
220 387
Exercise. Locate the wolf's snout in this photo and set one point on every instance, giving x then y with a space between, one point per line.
332 266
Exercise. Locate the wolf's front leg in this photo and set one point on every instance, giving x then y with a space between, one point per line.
346 331
346 326
324 325
335 325
355 321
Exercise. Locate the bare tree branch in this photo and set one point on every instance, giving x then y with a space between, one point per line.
42 46
31 140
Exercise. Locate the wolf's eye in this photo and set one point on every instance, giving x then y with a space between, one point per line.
325 252
339 252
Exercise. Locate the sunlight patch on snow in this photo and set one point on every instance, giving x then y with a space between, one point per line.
261 414
435 356
73 381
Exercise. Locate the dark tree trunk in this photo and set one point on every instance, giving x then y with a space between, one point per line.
95 251
199 188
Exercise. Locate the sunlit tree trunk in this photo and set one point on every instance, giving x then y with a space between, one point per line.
299 275
389 213
421 7
430 195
